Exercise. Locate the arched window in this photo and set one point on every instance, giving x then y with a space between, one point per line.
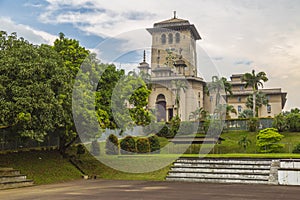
163 39
177 37
170 37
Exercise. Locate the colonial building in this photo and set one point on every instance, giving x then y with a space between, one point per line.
276 98
176 86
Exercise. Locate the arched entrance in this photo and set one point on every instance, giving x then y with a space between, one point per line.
161 108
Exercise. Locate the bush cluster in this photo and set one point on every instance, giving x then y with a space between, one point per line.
289 121
112 145
129 145
267 141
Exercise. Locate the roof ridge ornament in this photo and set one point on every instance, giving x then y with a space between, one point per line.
174 14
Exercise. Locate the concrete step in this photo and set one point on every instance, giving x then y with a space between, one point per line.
9 172
252 171
224 161
211 180
13 178
221 165
15 184
219 176
222 170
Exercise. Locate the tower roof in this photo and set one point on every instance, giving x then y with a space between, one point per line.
172 22
175 24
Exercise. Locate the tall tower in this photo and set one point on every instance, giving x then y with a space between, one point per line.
172 39
174 65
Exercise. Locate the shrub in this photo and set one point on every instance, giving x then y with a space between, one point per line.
174 126
297 148
293 122
80 150
253 124
95 148
128 145
280 122
154 144
164 132
112 145
267 140
143 145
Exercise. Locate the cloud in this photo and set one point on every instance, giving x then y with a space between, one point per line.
30 34
243 62
248 34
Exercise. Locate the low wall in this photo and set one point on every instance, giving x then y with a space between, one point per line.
289 172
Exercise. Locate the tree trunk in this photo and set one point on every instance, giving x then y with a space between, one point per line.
254 103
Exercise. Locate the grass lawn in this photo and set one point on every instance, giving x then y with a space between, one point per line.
43 167
49 167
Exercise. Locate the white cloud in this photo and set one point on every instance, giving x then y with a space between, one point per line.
264 33
30 34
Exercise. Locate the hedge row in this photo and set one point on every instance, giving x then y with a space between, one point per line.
129 145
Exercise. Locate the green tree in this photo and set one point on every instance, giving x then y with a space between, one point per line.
218 86
244 142
129 102
198 115
260 100
31 79
268 140
293 121
107 82
230 109
280 122
247 113
112 145
254 81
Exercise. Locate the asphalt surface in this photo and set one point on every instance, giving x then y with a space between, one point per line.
114 190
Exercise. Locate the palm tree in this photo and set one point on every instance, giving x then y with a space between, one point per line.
244 142
254 80
198 114
260 100
217 86
230 109
179 85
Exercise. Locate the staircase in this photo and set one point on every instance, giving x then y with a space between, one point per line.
11 178
251 171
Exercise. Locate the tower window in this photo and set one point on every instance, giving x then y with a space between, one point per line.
177 37
170 37
163 39
239 99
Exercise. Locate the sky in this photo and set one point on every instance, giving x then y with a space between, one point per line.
237 35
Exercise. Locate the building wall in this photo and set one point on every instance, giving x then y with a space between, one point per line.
186 47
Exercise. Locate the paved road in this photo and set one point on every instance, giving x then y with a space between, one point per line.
114 190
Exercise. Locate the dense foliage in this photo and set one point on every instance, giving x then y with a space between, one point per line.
128 145
288 121
268 141
142 145
40 83
154 144
112 145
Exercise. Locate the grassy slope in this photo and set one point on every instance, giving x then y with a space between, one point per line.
42 166
49 167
